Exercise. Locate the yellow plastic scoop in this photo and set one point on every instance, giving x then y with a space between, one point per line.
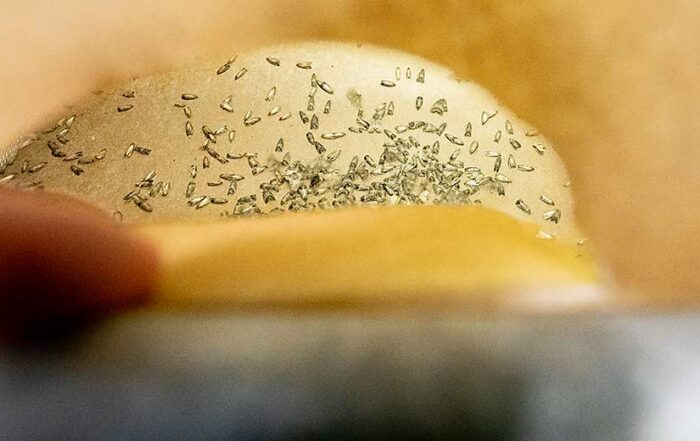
321 174
389 256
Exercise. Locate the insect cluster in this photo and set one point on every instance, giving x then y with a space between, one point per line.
417 156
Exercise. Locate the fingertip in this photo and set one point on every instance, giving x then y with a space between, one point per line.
64 261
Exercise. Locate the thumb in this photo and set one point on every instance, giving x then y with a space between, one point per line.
64 262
